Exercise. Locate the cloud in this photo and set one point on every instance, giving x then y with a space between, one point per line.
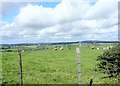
68 21
102 9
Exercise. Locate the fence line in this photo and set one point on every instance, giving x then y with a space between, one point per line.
12 72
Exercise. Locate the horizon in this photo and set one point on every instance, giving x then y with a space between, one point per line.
60 42
64 20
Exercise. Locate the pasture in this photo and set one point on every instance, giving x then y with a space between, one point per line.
53 67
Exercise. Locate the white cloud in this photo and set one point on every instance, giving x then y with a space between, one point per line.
69 21
102 9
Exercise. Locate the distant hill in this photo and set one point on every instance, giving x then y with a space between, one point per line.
95 41
58 43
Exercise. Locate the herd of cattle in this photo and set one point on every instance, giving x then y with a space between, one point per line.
103 48
57 47
61 48
92 47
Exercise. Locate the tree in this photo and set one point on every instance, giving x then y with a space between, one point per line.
109 62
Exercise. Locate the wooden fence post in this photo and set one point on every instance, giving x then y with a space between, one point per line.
78 63
20 67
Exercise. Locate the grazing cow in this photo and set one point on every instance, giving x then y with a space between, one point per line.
61 48
97 48
104 48
23 50
93 47
54 49
111 46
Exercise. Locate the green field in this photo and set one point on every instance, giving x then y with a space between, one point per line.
53 67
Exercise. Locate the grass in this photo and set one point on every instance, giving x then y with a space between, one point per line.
53 67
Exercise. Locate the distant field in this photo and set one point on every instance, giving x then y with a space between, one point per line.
53 67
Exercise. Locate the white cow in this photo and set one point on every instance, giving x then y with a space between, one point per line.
61 48
97 48
54 49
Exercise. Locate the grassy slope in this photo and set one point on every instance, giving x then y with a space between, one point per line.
47 66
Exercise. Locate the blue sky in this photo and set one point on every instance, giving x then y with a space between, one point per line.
8 14
32 22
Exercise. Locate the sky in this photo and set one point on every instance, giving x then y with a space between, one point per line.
63 21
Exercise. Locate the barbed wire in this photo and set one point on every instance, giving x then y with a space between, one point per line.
54 71
38 73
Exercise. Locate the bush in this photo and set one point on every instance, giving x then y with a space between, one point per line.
109 62
8 50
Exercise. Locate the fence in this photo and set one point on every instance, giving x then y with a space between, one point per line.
78 62
69 72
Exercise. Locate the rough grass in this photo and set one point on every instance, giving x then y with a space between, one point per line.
53 67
